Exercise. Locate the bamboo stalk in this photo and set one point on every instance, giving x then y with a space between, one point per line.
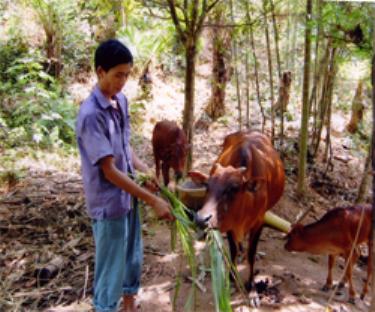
276 222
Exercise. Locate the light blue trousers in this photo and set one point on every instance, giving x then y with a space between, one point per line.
118 259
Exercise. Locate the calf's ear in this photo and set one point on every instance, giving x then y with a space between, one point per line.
198 177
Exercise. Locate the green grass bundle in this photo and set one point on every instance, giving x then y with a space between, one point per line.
183 227
219 273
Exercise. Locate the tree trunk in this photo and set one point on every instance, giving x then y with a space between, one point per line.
220 58
256 72
371 259
357 110
276 38
317 89
329 115
293 51
305 106
269 58
326 97
188 34
247 72
236 73
190 56
288 45
313 96
328 128
283 100
363 187
284 92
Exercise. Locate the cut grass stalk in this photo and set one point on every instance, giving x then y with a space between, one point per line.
219 274
229 265
183 228
276 222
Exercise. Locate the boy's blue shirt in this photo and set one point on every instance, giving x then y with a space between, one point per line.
101 131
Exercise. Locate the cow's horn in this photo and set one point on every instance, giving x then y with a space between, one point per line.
242 169
217 166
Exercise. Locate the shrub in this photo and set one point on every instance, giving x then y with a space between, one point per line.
34 108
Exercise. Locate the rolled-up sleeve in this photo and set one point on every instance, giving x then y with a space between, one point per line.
94 139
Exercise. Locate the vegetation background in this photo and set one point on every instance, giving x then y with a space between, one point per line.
297 70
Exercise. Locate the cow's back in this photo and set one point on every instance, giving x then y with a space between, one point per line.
254 151
165 132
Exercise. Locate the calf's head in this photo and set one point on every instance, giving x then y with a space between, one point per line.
180 150
294 239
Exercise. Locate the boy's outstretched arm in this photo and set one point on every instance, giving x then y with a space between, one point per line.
121 180
138 163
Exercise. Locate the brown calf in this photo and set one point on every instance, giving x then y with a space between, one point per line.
245 181
334 234
170 149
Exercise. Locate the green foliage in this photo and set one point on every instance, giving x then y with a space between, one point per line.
144 43
137 112
340 21
219 274
70 44
34 109
10 51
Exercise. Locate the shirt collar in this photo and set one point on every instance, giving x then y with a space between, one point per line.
102 100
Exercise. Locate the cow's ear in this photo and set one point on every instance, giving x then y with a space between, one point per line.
198 177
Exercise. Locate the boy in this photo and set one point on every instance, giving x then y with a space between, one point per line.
108 162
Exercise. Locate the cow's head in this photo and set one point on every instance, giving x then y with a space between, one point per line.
224 185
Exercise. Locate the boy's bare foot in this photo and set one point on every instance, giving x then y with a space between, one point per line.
129 304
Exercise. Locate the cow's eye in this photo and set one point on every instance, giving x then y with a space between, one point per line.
232 189
235 188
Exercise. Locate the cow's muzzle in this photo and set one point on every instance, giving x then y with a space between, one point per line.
178 176
201 222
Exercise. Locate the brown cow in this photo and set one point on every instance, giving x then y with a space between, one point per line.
334 234
170 149
245 181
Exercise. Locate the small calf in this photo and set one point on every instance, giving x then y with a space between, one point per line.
334 234
170 149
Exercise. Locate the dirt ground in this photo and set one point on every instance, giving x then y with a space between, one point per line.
294 279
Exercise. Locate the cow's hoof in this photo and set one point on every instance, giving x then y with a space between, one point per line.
338 293
254 299
362 296
341 285
351 300
326 287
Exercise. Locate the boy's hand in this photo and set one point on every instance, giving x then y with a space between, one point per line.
152 186
163 209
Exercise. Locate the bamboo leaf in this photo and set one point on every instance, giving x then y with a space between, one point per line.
219 274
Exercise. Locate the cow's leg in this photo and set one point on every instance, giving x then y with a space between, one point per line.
331 263
369 270
233 248
157 165
349 273
165 171
252 248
